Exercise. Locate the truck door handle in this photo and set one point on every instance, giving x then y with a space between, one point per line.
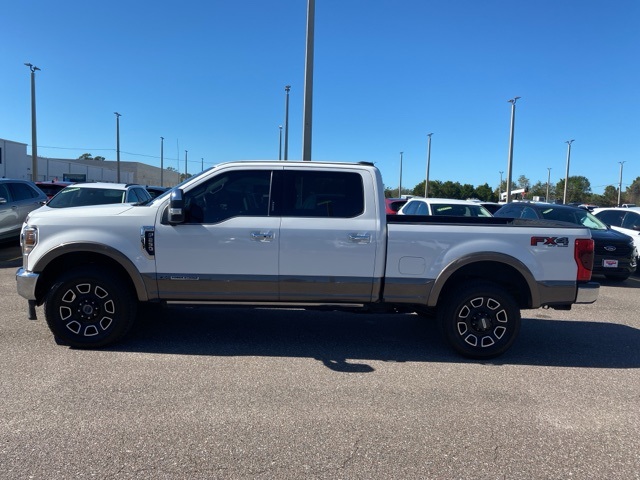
262 236
360 237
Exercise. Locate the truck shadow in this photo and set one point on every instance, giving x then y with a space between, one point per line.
335 338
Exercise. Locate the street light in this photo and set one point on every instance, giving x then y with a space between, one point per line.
566 177
620 184
548 180
185 164
34 141
286 122
513 121
400 186
117 146
500 186
426 182
162 161
280 142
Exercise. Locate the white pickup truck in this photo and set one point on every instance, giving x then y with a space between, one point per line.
296 234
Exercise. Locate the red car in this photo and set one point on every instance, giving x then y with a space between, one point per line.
394 204
52 187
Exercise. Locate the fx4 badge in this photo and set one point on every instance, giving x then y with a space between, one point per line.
550 241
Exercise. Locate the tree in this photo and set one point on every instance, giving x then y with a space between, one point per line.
99 158
578 189
632 194
484 192
85 156
523 182
451 190
610 197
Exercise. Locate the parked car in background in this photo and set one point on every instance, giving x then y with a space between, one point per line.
394 204
625 220
628 205
156 191
98 193
615 253
444 206
491 206
17 199
51 188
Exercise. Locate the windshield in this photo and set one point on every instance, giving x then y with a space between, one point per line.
168 192
577 216
80 197
459 210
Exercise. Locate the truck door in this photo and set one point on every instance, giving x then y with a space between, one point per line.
327 236
227 249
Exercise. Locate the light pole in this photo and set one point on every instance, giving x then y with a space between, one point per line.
280 142
400 185
308 84
202 164
185 164
162 161
548 180
500 186
620 183
117 146
513 121
34 141
426 182
286 122
566 177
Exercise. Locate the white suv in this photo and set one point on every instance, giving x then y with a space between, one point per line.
443 206
99 193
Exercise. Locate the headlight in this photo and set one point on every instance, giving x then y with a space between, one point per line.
28 239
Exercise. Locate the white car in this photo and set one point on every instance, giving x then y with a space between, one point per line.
98 193
623 219
443 206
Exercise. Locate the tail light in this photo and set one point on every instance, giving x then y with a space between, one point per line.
583 254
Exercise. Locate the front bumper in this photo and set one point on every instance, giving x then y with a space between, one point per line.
587 292
26 282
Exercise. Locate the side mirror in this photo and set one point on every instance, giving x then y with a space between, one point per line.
176 207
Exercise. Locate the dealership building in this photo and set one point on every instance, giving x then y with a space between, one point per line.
15 163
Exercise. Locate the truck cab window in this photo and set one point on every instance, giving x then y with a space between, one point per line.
228 195
322 194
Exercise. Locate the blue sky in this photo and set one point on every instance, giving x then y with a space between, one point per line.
209 77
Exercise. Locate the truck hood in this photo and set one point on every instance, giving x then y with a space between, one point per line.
80 212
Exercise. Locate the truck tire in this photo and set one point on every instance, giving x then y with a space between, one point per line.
480 321
89 308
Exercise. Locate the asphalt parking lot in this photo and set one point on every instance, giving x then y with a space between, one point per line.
226 393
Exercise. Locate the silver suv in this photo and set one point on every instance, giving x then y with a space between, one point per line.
17 199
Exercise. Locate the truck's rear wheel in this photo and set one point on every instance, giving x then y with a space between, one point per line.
89 308
481 320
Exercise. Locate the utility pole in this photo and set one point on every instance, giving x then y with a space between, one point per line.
566 177
400 186
308 84
511 133
286 122
34 140
117 146
162 161
620 184
548 180
426 182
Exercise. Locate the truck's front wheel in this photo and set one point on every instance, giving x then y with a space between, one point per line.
89 308
481 320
